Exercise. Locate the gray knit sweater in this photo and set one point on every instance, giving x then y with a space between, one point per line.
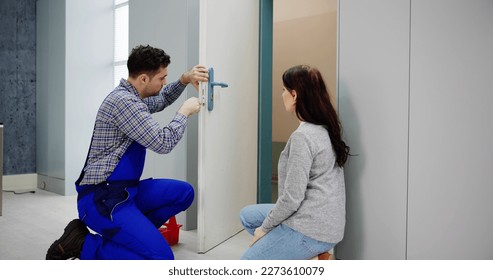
311 187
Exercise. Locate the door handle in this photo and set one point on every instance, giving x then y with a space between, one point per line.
212 84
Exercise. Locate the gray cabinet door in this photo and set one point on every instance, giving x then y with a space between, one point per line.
450 131
415 91
373 91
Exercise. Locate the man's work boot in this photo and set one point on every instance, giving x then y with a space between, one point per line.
70 243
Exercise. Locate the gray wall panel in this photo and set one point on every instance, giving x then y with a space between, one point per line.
450 178
444 212
373 106
172 26
50 88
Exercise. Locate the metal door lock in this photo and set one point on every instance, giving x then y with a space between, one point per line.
212 84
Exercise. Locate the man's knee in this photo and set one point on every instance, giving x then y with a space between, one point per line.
187 194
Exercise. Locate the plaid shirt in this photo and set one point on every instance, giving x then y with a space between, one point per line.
124 118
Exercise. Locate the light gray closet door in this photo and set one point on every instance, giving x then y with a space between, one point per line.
373 75
451 135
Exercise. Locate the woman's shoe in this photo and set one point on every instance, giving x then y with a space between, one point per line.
324 256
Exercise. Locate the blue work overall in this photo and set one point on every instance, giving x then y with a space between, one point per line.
126 212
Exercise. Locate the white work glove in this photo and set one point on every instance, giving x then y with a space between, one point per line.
190 106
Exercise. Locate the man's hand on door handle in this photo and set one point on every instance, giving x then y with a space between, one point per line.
198 73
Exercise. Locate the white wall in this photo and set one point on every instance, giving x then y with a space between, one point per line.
74 74
88 76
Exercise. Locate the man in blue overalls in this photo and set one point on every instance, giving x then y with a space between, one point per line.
124 211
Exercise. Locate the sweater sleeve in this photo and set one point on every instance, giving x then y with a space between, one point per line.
298 163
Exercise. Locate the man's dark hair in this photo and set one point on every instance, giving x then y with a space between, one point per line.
146 59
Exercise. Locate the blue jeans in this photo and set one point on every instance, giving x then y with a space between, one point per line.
282 242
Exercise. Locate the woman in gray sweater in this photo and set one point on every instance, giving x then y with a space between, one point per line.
309 216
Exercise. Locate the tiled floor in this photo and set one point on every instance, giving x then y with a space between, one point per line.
32 221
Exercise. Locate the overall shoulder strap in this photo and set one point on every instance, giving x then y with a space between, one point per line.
82 173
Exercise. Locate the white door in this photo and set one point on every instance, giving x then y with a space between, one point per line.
227 176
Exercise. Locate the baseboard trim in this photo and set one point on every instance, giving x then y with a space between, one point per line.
52 184
20 182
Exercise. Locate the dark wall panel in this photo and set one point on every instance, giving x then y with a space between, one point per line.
18 85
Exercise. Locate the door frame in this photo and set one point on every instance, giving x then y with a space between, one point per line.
264 151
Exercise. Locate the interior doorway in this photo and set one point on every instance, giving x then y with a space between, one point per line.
304 32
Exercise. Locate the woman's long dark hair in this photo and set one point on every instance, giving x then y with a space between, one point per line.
313 105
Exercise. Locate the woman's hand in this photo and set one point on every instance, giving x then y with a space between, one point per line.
259 233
